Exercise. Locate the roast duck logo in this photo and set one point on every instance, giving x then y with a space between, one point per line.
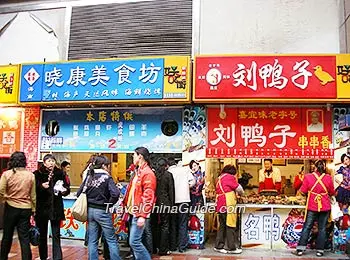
323 76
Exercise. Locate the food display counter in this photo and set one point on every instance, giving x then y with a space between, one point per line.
269 226
73 229
265 225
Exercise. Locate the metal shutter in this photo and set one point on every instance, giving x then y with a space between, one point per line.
131 29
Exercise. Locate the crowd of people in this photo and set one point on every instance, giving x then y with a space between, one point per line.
39 196
163 183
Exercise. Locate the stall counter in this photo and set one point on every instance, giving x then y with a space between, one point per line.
71 228
268 225
258 231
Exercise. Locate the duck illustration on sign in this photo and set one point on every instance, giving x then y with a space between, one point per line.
323 76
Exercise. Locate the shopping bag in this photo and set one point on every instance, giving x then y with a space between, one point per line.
79 208
34 235
336 212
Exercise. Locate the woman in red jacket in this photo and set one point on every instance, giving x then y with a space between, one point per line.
141 199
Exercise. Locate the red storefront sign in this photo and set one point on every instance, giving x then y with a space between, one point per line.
282 77
270 133
10 130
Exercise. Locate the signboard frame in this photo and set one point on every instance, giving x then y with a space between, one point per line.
169 75
339 98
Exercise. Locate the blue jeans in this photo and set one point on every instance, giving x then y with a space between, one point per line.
147 238
140 251
99 218
321 218
179 227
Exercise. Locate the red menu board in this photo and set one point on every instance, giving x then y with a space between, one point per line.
265 77
270 133
10 130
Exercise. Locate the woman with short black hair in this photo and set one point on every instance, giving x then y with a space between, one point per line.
50 204
17 187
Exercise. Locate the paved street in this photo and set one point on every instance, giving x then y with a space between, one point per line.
74 250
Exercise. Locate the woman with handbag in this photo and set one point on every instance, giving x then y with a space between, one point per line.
17 188
51 185
101 192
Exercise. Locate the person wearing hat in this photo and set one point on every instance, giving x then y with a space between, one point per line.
49 205
318 186
342 181
17 188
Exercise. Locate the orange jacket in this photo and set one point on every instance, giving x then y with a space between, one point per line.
144 192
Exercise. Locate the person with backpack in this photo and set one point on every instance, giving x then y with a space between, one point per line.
17 188
226 188
318 186
101 192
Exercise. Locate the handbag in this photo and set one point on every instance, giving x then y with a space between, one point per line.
34 234
80 207
336 212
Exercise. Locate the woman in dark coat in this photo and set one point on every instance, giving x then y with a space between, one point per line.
51 185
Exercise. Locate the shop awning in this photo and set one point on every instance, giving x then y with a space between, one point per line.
270 153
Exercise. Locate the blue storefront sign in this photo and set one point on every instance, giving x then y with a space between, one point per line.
111 130
139 79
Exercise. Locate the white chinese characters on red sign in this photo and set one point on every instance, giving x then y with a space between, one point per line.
265 76
272 75
253 134
263 130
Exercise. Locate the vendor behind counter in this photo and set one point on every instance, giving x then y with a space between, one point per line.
269 177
